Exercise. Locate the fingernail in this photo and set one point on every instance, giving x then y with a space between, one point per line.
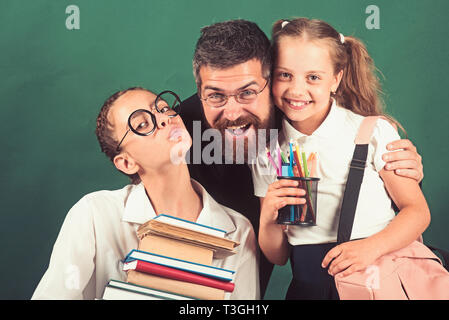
386 157
389 146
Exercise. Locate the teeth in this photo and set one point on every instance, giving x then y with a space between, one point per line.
299 104
237 130
237 127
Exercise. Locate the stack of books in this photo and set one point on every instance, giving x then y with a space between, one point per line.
174 261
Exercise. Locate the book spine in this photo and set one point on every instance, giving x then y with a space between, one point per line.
176 221
176 274
188 266
175 286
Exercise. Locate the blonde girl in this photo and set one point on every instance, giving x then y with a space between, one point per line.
325 84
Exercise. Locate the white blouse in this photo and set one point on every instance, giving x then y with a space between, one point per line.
100 230
333 141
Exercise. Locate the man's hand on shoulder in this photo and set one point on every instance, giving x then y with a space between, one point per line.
404 159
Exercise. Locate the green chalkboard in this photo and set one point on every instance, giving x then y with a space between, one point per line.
55 74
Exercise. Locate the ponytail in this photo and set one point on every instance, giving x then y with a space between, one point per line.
359 88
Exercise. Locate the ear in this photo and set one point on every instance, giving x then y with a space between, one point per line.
126 163
337 80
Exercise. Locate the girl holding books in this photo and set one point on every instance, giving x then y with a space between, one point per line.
325 85
145 139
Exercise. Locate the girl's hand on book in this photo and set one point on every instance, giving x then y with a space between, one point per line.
280 193
350 257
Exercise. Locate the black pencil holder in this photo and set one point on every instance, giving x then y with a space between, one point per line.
301 215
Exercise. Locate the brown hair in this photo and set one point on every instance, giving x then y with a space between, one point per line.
229 43
359 89
104 131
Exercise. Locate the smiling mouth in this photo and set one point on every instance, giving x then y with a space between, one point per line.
298 104
238 130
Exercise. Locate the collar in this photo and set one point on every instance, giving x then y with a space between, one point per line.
138 209
327 129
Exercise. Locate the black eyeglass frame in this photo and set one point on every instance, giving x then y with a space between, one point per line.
227 96
153 117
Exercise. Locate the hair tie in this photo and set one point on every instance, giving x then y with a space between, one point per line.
284 23
342 38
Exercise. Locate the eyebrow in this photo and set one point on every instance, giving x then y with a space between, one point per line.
241 88
316 71
310 71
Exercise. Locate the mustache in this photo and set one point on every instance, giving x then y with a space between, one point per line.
222 123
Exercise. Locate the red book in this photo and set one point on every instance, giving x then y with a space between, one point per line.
176 274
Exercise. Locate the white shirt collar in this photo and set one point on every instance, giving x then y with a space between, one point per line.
326 129
138 209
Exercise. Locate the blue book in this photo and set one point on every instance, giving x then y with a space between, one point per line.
202 269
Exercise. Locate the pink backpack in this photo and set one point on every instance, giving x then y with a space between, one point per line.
413 272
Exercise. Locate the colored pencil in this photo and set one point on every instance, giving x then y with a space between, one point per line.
311 163
284 158
270 158
279 159
291 159
304 161
298 162
308 200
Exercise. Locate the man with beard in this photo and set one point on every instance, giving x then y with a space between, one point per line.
232 65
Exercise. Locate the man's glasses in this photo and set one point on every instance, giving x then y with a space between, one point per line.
143 122
246 96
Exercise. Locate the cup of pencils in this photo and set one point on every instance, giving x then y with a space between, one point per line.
297 166
302 215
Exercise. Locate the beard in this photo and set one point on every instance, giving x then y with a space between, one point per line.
243 138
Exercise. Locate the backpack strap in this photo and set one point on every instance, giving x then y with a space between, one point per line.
366 130
355 178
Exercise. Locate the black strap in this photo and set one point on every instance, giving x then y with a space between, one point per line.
351 196
352 190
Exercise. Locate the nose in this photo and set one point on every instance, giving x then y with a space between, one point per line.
162 120
233 109
299 87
